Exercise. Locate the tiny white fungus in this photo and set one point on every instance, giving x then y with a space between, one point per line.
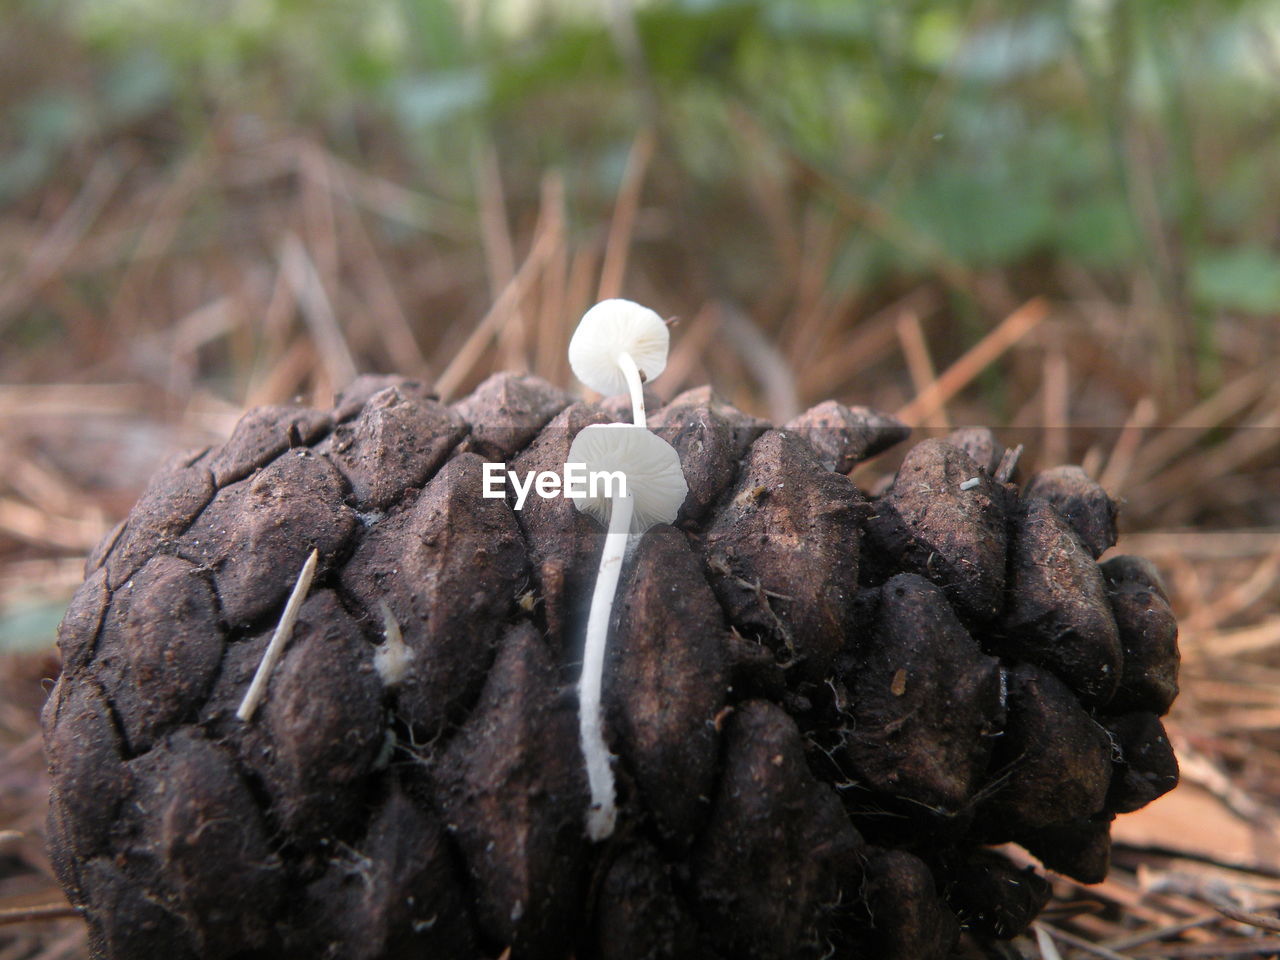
618 346
392 657
970 483
655 481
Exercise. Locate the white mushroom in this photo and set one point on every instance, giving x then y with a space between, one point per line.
655 489
619 345
654 479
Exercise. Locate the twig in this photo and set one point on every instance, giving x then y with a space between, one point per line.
765 362
920 364
29 401
473 347
69 946
318 312
35 526
500 258
1160 932
1186 431
393 325
47 911
1249 442
1222 949
1271 924
48 256
552 324
1048 949
981 355
1116 475
618 246
1057 403
1079 943
1204 544
1008 463
278 639
1261 636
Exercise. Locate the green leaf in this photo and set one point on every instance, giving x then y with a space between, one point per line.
30 626
431 99
1245 278
1097 231
138 85
980 219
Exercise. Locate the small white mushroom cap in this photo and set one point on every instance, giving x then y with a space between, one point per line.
610 329
655 480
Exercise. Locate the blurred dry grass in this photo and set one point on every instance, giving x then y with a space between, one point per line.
144 305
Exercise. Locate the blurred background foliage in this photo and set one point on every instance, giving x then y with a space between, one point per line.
1127 137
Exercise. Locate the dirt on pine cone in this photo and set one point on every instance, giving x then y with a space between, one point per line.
825 708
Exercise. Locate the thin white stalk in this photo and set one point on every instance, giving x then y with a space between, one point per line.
283 630
602 813
636 386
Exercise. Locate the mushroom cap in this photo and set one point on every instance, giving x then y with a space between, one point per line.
655 480
609 329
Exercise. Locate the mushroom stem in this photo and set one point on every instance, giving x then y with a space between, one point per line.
635 385
602 813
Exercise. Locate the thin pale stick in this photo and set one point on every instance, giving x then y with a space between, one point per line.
1186 431
283 630
766 363
550 340
915 348
1057 404
601 814
980 356
500 257
1048 949
1071 940
50 911
317 311
1116 475
393 325
1008 463
618 246
1271 924
477 342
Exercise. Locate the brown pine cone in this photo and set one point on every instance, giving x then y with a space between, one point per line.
823 707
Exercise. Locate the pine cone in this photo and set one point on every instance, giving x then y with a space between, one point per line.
824 708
